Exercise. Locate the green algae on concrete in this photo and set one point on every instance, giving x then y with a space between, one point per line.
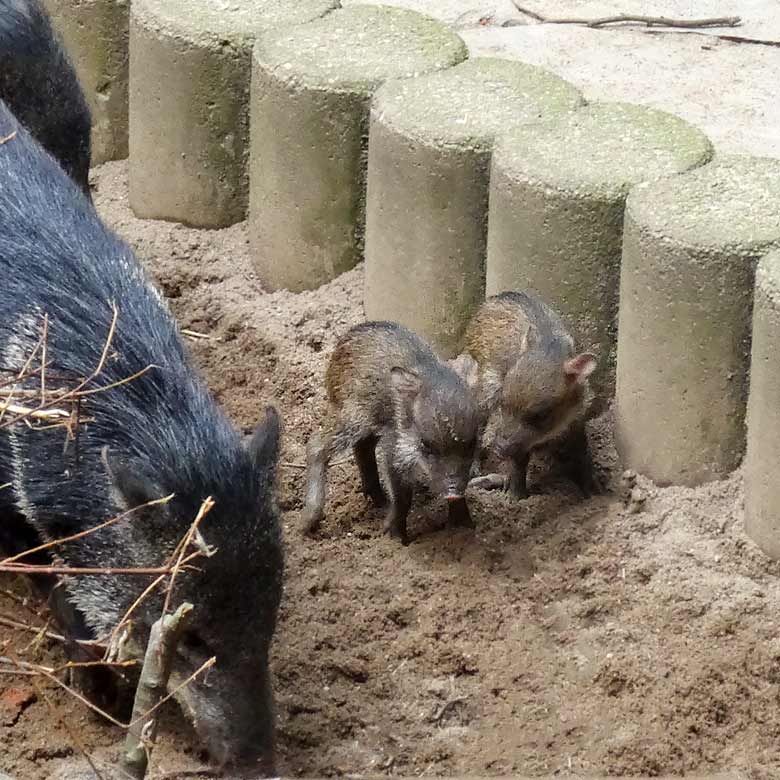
762 486
690 249
428 170
190 71
95 34
557 196
311 93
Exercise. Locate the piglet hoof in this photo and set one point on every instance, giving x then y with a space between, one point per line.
377 497
490 482
518 491
310 521
459 514
396 531
589 483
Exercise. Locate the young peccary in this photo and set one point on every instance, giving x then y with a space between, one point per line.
386 387
157 434
39 85
530 375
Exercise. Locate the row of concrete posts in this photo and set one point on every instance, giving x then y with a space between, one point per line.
366 133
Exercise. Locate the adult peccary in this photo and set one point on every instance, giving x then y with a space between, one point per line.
387 387
39 84
531 376
155 435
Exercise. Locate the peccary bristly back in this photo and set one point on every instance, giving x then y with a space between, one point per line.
386 387
158 434
39 84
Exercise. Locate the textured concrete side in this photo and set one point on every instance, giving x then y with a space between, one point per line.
557 194
431 140
190 69
311 91
95 33
691 243
762 486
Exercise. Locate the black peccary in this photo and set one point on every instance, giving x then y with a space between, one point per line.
531 376
156 435
39 84
387 387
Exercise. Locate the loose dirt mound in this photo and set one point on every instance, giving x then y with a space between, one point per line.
562 636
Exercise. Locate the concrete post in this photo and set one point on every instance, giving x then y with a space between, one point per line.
691 243
95 34
311 90
557 194
190 69
431 140
762 486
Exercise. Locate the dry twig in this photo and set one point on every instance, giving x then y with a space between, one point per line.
151 688
650 21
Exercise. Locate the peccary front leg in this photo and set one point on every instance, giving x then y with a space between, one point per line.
365 456
518 470
400 499
579 461
459 514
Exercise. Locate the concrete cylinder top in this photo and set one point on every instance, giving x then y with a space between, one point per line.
232 19
190 72
311 92
762 487
472 102
691 243
356 49
558 191
428 172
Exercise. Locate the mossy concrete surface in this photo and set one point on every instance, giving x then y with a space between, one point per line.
95 34
428 171
190 71
691 245
558 190
311 91
762 486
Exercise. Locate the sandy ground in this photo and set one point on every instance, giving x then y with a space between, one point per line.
563 636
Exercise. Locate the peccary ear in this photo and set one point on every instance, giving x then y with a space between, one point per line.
580 367
467 369
132 488
263 446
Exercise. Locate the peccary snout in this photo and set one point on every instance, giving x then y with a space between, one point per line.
236 728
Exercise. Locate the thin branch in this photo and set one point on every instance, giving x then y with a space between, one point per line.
202 668
8 138
33 570
650 21
82 534
142 732
62 721
205 508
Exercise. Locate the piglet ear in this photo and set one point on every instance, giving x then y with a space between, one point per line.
467 369
580 367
